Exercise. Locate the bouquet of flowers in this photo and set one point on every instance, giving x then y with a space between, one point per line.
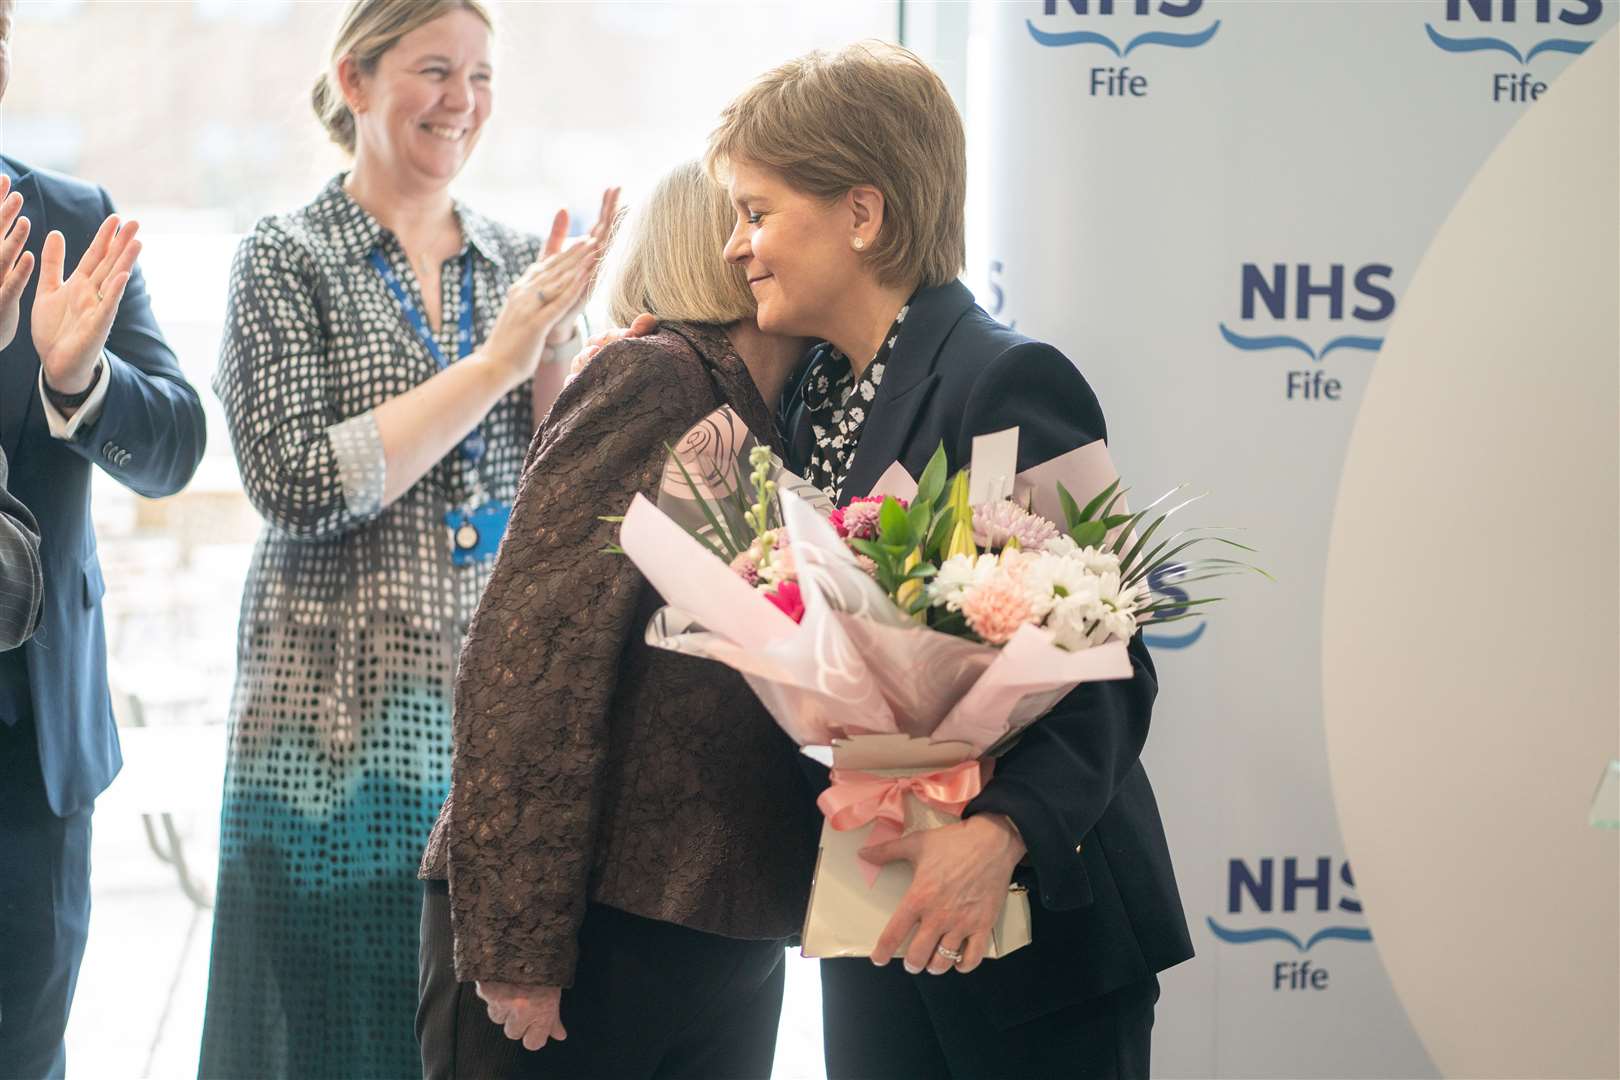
915 631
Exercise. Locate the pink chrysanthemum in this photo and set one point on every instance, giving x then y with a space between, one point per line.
859 520
746 567
996 609
994 523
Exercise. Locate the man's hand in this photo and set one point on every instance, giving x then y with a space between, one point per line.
962 872
73 317
529 1013
15 264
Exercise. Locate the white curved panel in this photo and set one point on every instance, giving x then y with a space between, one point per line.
1470 612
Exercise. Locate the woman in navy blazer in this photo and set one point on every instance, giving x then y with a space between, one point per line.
848 172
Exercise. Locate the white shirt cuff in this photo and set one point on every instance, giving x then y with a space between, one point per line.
63 427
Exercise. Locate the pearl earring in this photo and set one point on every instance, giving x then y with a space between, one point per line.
858 244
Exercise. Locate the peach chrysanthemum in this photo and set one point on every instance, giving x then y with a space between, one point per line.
996 609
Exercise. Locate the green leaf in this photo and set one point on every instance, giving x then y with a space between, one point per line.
1089 533
1114 521
918 519
722 534
1126 562
1094 505
1108 510
611 519
1137 517
1071 510
872 550
940 534
1148 565
1176 605
893 524
934 475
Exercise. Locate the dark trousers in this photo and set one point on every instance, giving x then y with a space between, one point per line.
650 1000
44 910
880 1023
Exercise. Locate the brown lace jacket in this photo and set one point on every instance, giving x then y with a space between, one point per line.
588 765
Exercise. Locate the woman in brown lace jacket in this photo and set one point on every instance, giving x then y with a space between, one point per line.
628 839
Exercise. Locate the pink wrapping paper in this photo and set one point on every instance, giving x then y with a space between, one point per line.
855 664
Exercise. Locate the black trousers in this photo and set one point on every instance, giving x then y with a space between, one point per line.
650 1001
44 910
881 1023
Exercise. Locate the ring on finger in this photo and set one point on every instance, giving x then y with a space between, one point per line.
953 955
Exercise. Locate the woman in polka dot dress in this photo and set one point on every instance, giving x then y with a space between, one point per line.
387 355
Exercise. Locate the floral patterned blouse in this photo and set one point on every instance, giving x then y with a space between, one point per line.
838 404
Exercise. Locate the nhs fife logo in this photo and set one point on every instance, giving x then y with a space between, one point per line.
1100 28
1324 310
1517 34
1316 903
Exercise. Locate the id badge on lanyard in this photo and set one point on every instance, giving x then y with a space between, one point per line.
475 529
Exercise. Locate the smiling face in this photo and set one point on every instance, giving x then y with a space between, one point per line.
796 249
420 113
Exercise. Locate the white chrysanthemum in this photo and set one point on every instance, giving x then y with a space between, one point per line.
1116 614
1049 578
1095 559
956 575
1068 620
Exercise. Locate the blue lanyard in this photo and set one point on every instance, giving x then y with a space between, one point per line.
472 447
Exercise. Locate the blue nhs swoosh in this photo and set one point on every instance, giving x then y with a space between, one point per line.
1174 641
1274 933
1493 44
1287 341
1058 39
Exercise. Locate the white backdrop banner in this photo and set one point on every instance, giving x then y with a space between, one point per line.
1213 206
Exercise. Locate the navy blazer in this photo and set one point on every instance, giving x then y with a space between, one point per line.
149 436
1107 912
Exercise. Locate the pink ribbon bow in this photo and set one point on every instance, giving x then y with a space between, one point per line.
857 798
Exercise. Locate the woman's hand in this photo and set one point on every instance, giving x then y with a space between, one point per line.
536 303
602 233
960 884
643 325
528 1013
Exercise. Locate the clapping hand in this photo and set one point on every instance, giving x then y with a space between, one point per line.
602 234
72 317
527 1013
15 263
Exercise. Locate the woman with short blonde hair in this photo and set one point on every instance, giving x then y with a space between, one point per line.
386 353
628 841
847 171
665 264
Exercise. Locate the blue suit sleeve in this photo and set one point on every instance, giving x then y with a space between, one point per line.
151 432
1061 775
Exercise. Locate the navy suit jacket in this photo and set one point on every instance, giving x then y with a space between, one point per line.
149 436
1106 911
